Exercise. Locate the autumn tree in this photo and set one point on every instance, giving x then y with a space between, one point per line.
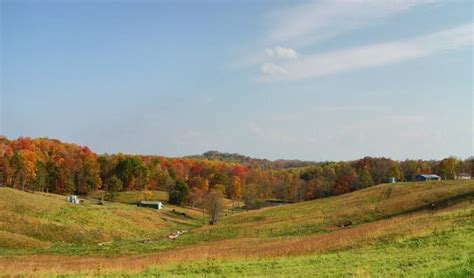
346 180
87 172
214 204
159 178
447 168
198 188
235 192
195 196
6 171
53 166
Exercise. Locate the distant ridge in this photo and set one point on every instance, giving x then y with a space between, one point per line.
252 162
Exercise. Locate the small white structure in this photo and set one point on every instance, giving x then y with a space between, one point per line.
392 180
151 204
73 199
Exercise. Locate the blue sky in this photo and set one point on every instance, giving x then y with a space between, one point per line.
324 80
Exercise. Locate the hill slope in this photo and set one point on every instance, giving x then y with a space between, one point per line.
363 206
383 230
46 223
252 162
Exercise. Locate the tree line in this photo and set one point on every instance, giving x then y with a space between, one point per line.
43 164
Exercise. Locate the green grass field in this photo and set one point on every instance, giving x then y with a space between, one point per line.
39 223
444 254
386 230
133 197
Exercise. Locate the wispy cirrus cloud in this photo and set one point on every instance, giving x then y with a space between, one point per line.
373 55
281 52
267 55
309 22
272 69
315 21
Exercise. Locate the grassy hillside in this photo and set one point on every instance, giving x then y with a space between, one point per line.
329 214
387 230
436 245
133 197
46 223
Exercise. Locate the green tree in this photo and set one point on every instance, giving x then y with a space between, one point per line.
114 185
410 169
395 172
365 179
133 173
447 168
41 179
178 193
251 197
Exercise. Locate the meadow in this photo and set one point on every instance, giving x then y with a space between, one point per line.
404 229
40 223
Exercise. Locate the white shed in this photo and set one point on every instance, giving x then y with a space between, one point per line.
73 199
151 204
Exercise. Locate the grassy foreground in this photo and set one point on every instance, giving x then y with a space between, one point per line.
444 254
386 230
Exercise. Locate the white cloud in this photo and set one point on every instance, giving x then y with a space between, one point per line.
272 69
375 55
309 22
281 52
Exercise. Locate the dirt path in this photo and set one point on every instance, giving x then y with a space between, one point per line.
385 195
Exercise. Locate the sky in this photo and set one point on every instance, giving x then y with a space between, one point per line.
323 80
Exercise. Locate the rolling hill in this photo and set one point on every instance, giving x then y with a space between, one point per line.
46 223
414 229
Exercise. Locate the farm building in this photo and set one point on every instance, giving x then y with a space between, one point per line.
428 177
72 199
463 176
150 204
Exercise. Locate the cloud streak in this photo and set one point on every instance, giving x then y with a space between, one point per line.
281 52
304 24
315 21
272 69
374 55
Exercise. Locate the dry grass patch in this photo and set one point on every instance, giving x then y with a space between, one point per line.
16 241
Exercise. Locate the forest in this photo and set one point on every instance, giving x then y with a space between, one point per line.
49 165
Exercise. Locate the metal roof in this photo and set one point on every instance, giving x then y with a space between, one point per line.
430 176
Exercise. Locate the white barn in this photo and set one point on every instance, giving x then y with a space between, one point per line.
72 199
